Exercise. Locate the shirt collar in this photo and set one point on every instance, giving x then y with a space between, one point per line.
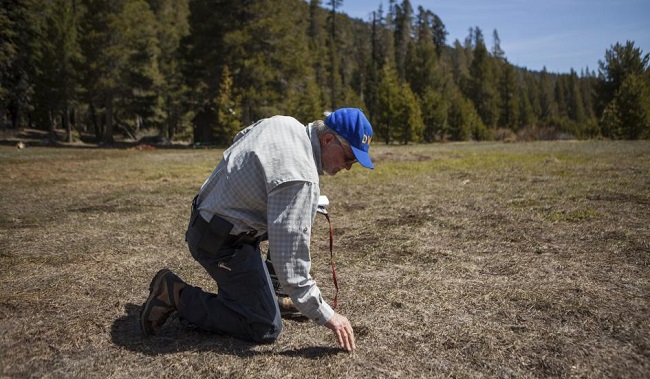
315 144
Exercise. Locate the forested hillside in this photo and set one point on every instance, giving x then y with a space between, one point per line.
201 70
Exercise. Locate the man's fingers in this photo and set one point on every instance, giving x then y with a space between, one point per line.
352 342
340 338
345 338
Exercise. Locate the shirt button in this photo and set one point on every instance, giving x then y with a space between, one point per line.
305 230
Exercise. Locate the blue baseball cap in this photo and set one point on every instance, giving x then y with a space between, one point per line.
353 125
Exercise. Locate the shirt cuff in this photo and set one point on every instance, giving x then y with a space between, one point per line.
322 314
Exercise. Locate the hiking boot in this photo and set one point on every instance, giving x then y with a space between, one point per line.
164 298
287 308
274 279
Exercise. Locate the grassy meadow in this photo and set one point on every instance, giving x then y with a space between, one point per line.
526 260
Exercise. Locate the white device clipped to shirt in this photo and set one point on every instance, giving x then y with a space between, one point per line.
323 201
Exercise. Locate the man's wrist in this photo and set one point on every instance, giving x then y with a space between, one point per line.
323 314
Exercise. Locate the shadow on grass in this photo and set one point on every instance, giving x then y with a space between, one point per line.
125 332
313 352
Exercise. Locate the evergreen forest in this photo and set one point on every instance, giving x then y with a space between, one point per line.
201 70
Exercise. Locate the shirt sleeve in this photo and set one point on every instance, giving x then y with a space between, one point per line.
291 211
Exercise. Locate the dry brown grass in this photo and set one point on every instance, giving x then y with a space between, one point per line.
455 260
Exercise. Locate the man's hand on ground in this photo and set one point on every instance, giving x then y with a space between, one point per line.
342 329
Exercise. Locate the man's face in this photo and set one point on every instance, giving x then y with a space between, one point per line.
334 156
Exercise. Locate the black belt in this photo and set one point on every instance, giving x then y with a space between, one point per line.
213 235
232 240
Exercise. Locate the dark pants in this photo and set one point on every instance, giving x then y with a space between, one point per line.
245 305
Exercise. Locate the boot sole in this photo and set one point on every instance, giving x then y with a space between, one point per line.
145 310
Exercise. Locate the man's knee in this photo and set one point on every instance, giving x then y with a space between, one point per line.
266 333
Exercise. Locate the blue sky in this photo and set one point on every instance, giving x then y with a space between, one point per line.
558 34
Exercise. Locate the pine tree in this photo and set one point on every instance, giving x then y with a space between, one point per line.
497 51
388 35
534 95
434 108
588 84
403 25
335 82
460 65
576 110
373 66
627 116
119 39
59 55
215 41
620 62
267 46
482 84
409 118
464 121
172 27
525 109
561 96
439 32
140 79
99 74
548 111
20 29
361 50
509 93
459 128
296 85
228 112
421 65
317 48
625 89
387 118
71 60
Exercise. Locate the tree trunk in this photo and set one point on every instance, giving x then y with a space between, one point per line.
93 115
171 124
66 122
52 127
15 116
107 138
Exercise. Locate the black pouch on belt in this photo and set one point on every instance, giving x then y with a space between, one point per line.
207 236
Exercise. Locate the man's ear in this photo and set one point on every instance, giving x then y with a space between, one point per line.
327 138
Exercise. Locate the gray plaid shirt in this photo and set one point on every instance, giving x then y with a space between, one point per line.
268 182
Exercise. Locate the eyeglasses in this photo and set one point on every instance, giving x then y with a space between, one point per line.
350 161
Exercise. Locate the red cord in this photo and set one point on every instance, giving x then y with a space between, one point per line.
336 284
